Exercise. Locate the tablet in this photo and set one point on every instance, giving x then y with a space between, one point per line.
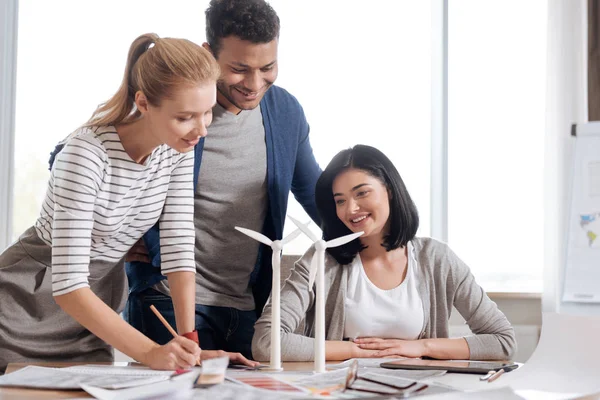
467 367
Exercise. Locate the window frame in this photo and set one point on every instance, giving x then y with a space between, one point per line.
439 120
8 84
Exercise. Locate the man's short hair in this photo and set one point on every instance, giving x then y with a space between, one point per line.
251 20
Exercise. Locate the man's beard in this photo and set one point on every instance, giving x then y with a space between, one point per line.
226 92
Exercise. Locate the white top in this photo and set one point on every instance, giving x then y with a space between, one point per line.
99 202
373 312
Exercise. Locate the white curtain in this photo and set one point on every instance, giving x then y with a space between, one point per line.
566 103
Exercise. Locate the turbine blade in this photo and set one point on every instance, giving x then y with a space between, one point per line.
304 228
255 235
291 236
343 240
313 270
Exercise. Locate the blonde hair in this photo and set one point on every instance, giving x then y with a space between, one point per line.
156 71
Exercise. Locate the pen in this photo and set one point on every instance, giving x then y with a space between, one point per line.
179 372
168 326
496 375
502 370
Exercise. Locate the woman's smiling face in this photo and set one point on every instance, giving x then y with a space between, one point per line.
361 202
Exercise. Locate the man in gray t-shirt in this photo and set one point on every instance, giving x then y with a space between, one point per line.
233 186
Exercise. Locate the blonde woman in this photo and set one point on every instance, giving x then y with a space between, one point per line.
62 283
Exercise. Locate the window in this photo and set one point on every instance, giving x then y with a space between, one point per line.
362 72
368 82
71 57
496 102
365 81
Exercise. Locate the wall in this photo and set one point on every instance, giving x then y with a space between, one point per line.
525 314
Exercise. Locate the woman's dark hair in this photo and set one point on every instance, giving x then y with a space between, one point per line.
403 219
251 20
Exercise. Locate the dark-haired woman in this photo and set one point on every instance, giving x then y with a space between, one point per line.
388 293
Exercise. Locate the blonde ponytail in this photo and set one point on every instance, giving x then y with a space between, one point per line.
155 70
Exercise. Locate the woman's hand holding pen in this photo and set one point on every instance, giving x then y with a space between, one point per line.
192 337
179 353
182 353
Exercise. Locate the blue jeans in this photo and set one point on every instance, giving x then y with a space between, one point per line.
219 328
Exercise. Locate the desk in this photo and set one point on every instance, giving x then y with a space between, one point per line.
32 394
458 381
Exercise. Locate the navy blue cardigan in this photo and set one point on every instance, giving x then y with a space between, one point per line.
291 165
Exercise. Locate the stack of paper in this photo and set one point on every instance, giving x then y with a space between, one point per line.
73 377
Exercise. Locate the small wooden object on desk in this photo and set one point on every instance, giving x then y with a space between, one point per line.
493 375
496 375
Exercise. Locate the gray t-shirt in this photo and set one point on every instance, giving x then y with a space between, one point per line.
231 191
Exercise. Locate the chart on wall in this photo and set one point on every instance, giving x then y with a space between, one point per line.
582 269
590 229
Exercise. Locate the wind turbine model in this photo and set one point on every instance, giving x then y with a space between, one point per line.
277 247
317 270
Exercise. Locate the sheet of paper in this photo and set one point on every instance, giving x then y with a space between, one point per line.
415 375
386 375
582 269
594 178
96 369
363 362
324 379
179 387
333 381
540 395
264 381
230 390
505 393
73 378
566 360
330 382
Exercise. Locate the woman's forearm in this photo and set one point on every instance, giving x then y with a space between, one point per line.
91 312
446 349
337 350
183 294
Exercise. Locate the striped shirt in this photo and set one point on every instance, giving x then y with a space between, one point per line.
99 202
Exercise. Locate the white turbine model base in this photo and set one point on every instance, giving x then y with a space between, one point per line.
320 247
275 358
